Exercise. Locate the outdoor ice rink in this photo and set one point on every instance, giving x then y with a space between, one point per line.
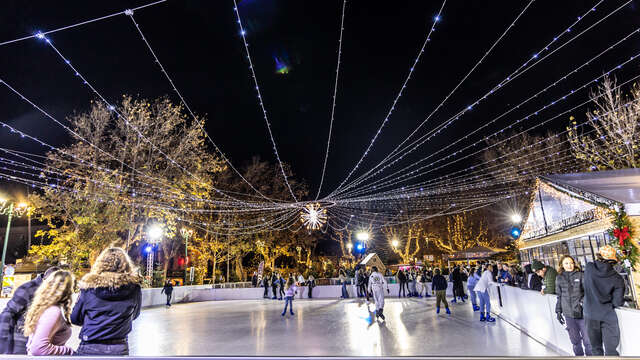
323 328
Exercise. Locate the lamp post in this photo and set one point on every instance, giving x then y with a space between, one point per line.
153 234
9 209
186 233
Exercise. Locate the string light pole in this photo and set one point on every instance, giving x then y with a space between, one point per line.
186 233
10 209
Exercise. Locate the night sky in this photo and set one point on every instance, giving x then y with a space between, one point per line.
199 44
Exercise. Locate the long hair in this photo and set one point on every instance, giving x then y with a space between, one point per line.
576 266
289 283
56 290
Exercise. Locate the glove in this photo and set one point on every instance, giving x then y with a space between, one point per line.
560 318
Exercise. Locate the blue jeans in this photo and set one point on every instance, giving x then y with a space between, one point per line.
87 349
485 302
472 296
345 293
288 300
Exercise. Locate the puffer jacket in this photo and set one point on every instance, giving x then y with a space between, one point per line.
570 291
549 281
472 281
107 305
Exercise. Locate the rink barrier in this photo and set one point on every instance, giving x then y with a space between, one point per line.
535 315
198 293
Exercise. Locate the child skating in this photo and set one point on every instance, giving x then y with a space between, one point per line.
288 296
439 285
376 287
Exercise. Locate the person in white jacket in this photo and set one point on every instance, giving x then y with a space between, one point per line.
376 287
482 290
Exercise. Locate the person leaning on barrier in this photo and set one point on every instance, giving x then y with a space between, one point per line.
12 340
603 292
570 291
548 275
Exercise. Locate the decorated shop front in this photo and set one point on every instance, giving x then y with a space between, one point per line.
576 214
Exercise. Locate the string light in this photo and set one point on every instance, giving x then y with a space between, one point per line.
193 116
395 101
398 177
333 105
466 76
264 111
508 79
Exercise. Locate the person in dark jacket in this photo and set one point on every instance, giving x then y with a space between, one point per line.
274 284
12 340
167 290
402 280
570 291
254 279
458 288
440 285
603 292
548 275
109 301
526 277
265 284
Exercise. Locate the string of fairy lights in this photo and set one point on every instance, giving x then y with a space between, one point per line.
432 133
417 192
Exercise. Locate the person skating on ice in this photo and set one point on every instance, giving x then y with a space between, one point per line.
376 287
289 295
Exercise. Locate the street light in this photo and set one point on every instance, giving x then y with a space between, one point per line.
154 233
10 209
516 218
394 243
362 236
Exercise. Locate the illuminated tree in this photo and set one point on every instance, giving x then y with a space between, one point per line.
405 240
614 126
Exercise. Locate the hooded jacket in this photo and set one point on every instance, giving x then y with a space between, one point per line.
570 291
603 290
107 305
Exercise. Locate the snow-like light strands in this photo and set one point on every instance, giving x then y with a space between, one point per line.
264 111
508 79
193 116
333 105
397 178
395 101
461 81
313 216
43 33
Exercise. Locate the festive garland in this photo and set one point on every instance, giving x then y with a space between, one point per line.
622 234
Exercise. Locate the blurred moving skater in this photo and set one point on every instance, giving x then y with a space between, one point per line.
376 283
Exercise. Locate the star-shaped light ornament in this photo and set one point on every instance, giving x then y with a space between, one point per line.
313 216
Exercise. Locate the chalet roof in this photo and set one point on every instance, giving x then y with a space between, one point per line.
622 186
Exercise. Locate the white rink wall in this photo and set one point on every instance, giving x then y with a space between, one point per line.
535 314
184 294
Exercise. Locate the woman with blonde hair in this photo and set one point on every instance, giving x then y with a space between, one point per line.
109 301
47 322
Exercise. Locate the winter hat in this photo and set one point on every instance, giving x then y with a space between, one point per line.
608 253
537 265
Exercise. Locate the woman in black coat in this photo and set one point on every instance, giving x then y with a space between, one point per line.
570 291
